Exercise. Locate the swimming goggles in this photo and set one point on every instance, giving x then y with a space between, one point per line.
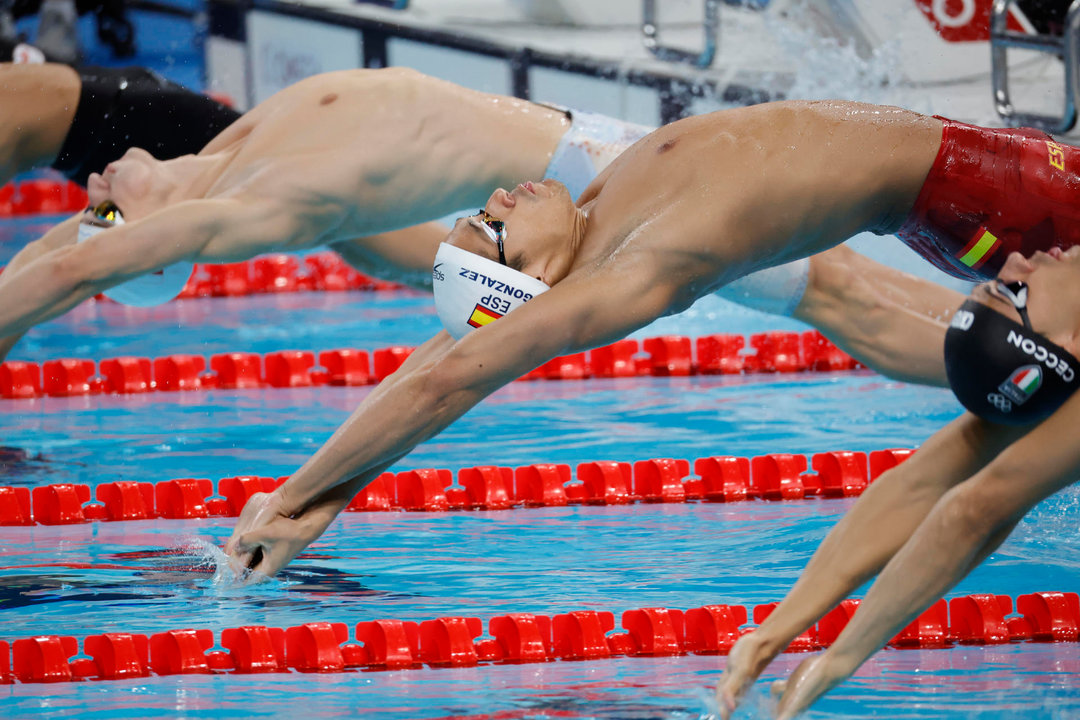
495 229
106 212
1015 292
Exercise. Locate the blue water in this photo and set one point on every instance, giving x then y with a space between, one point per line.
419 566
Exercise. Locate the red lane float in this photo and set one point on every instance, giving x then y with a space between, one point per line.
39 197
930 629
325 647
667 356
238 371
777 476
1054 617
721 354
724 478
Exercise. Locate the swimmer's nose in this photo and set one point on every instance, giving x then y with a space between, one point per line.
505 198
1016 267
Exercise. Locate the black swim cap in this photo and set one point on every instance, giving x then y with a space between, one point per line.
1003 371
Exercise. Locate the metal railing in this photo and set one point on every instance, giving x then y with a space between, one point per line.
1067 47
711 26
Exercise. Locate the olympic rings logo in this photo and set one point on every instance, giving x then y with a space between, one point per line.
1001 402
946 19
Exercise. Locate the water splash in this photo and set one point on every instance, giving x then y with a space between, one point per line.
757 703
831 64
213 559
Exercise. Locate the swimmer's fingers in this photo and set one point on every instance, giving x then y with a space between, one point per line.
270 548
809 682
247 521
743 667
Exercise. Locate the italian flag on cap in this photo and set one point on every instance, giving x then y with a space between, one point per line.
1027 379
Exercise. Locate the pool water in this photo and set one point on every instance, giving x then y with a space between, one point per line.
152 576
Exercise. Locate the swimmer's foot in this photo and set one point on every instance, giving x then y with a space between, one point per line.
747 659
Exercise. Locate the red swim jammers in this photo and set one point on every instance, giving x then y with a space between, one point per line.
991 192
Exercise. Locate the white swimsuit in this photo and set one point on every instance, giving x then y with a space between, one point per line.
590 145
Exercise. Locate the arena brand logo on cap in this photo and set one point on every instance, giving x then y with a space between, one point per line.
1022 384
1041 354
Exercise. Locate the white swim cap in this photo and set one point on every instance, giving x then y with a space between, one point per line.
144 291
471 291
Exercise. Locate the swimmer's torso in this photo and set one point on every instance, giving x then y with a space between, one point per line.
713 197
364 151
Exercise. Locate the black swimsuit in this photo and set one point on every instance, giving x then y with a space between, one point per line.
121 108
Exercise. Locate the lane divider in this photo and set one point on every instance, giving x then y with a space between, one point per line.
276 273
326 647
666 356
727 478
41 197
279 273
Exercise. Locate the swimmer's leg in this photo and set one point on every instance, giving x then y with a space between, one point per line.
404 256
864 540
38 104
122 108
890 321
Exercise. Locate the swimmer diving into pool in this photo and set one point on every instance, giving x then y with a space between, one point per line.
427 146
1011 352
693 206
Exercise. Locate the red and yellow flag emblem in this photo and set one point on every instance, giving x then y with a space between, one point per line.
482 316
979 250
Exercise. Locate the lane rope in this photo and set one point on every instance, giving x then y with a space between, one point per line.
664 356
326 647
720 478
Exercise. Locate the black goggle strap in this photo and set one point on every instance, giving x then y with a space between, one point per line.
496 234
1016 293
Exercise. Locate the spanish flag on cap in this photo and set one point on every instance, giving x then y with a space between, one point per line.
482 316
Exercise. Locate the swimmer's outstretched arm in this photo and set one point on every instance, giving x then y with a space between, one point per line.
267 537
587 309
58 236
864 540
55 281
892 322
964 526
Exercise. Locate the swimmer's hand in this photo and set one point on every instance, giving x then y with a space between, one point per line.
812 678
267 538
744 663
